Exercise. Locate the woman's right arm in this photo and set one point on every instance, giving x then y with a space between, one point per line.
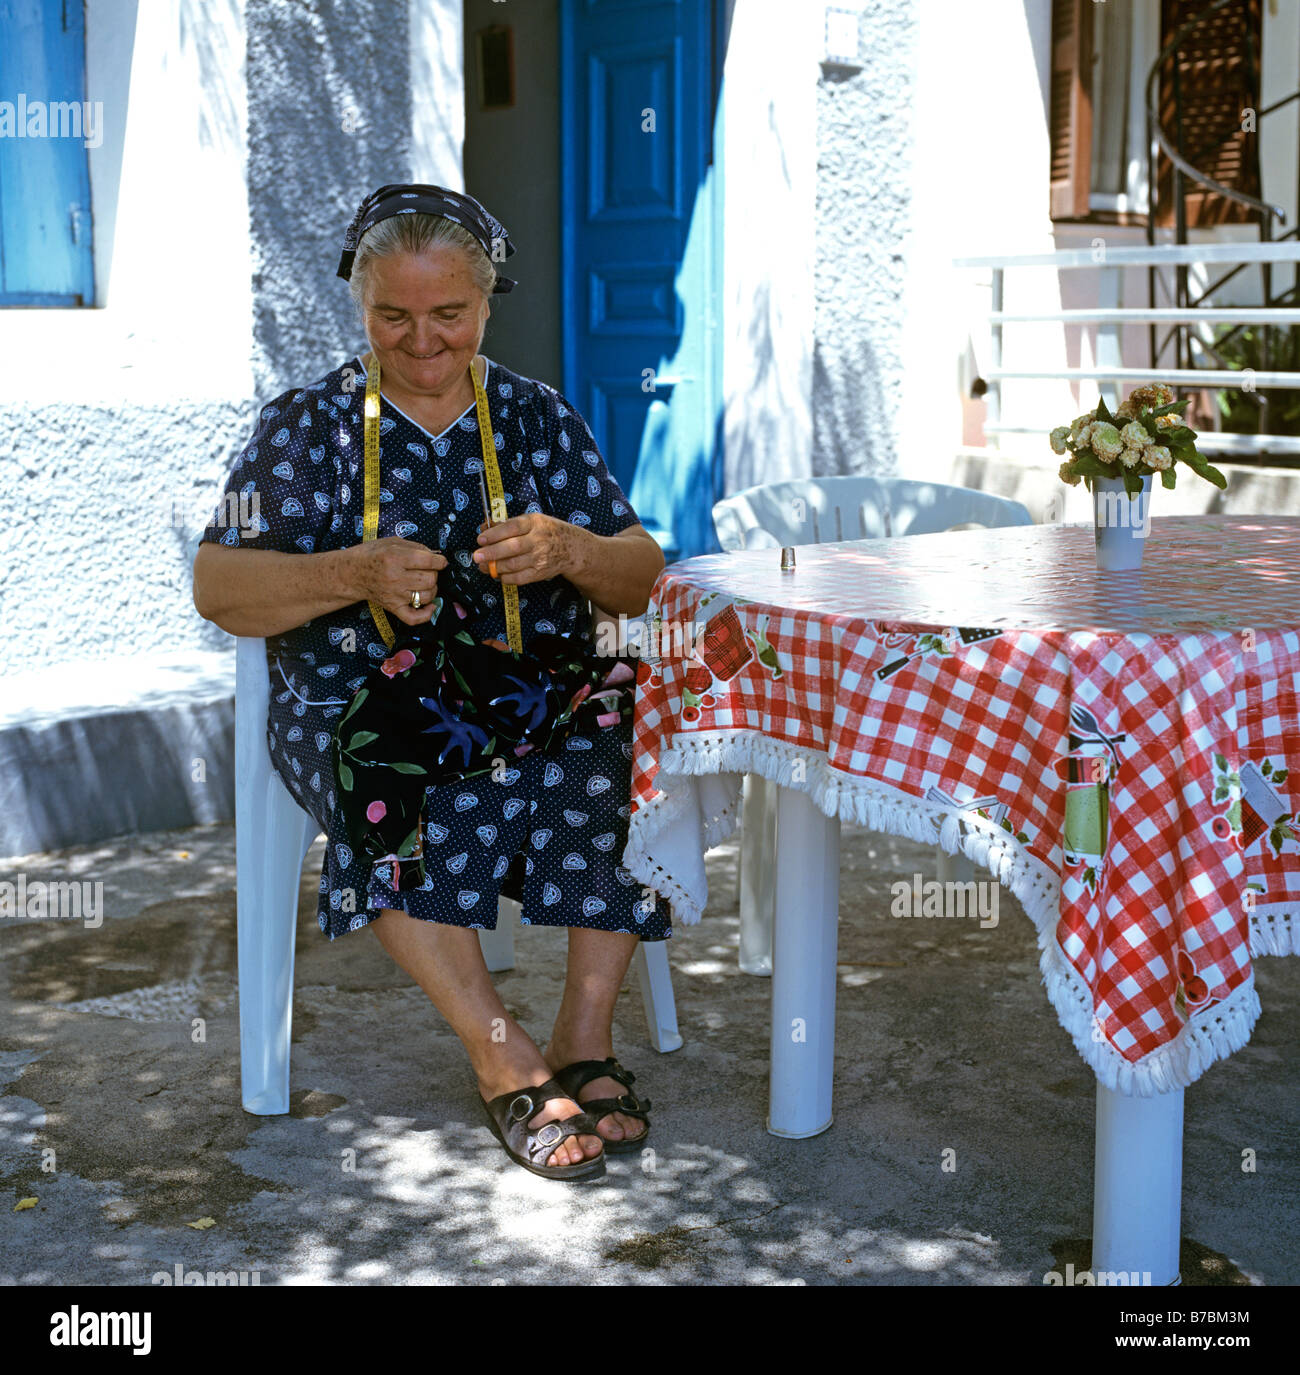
264 592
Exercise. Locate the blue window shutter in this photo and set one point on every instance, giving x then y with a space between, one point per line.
45 222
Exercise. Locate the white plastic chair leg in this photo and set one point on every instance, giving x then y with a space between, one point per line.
953 868
651 963
273 833
657 995
803 966
1138 1186
757 874
499 946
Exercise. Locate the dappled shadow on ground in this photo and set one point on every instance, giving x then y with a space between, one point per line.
961 1150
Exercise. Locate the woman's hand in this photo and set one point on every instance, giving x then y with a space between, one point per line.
388 570
527 548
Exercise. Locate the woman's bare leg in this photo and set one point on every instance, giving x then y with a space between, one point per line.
598 962
447 962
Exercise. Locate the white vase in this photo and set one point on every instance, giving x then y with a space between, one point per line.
1122 523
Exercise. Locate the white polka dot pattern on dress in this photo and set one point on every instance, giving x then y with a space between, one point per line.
301 492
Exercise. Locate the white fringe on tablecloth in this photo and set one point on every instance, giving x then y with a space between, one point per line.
1274 929
696 821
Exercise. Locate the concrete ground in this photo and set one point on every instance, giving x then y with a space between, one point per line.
126 1129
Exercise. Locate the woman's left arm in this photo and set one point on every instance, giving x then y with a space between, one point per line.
614 572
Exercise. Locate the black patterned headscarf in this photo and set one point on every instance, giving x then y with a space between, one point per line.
419 198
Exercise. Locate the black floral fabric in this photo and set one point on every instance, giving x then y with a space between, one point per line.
445 707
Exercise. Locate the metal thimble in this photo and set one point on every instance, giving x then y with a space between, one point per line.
787 558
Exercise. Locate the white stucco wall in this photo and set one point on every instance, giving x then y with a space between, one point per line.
435 59
219 210
977 140
865 143
121 413
769 130
174 302
817 187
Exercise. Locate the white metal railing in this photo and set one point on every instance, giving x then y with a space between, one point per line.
1145 255
1199 377
1168 315
1110 317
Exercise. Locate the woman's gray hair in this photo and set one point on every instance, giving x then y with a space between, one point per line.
414 234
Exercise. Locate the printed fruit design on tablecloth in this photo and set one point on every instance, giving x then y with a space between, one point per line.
1255 807
1227 788
647 675
1193 992
722 652
695 692
766 653
649 655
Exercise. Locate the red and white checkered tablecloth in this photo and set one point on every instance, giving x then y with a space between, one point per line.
1118 749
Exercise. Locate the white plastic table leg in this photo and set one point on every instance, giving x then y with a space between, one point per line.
803 966
657 995
1138 1186
757 874
499 946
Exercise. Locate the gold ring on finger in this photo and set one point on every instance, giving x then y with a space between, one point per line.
415 601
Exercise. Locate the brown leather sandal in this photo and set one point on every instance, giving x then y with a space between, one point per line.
532 1147
573 1078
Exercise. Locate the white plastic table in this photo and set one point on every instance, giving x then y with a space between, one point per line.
852 681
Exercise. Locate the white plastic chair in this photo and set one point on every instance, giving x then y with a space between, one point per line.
272 836
818 511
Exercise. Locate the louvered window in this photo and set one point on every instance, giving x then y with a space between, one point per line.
1071 108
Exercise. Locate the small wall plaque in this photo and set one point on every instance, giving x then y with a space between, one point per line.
496 67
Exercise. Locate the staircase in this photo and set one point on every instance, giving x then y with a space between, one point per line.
1199 138
1209 64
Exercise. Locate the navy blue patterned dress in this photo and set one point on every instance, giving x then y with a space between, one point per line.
298 487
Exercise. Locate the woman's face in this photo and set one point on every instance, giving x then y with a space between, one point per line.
424 318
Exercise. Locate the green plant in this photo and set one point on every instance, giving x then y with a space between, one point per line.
1240 406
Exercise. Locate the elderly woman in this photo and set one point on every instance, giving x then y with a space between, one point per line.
420 261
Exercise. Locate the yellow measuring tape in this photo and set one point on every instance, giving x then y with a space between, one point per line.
496 494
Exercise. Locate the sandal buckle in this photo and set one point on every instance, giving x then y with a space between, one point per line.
527 1110
549 1134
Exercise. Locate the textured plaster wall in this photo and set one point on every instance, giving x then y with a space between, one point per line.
769 156
338 104
980 191
98 565
267 121
125 412
864 141
329 119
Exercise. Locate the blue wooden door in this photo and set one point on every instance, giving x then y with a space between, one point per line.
641 236
45 223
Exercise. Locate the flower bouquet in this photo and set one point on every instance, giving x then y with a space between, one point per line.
1116 457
